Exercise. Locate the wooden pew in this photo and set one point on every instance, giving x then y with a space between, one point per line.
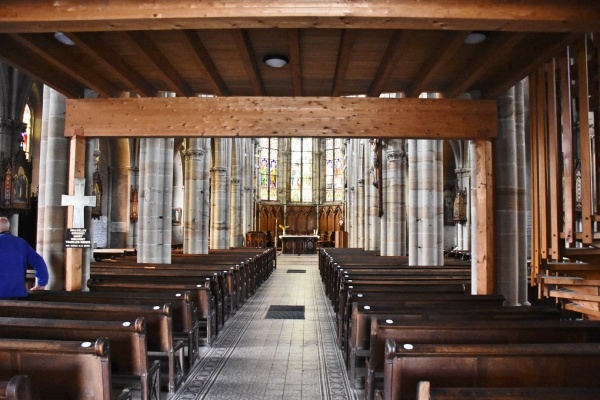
129 362
61 370
141 275
426 392
488 365
159 326
16 388
403 300
468 332
359 342
186 324
201 296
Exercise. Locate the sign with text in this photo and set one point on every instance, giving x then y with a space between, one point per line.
77 238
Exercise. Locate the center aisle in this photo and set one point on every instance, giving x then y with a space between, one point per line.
258 357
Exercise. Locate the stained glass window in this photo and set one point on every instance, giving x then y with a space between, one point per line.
301 170
268 168
26 136
334 170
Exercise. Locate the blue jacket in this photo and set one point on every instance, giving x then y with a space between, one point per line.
15 256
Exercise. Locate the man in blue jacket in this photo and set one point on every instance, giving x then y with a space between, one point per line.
15 256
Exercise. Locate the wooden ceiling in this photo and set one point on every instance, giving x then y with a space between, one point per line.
335 48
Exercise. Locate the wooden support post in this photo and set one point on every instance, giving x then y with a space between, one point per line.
554 170
485 218
584 137
567 149
74 256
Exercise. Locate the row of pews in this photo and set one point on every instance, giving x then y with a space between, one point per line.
417 333
138 330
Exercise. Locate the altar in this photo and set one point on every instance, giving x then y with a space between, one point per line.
299 244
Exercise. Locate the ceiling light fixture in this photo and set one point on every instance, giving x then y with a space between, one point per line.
64 39
475 37
275 60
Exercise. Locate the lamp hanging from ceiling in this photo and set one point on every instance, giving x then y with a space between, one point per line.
275 60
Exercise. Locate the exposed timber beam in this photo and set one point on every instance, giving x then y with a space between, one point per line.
295 57
343 60
206 64
244 46
393 52
340 117
492 15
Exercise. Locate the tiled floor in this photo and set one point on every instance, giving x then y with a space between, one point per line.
258 358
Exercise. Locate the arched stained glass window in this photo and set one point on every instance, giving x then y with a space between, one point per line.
26 136
268 168
301 170
334 170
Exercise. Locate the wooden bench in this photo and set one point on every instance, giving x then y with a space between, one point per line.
488 365
47 362
426 392
159 326
201 296
401 301
359 341
129 362
186 324
16 388
141 275
468 332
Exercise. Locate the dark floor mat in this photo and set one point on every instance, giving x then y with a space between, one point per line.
296 271
285 312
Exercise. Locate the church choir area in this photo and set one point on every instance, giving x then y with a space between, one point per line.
404 332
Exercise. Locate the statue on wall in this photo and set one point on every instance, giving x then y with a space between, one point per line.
448 204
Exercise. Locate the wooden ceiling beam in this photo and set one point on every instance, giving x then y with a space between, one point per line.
128 15
395 48
340 117
35 67
58 55
496 52
95 48
436 62
347 40
295 57
206 64
242 41
169 73
519 73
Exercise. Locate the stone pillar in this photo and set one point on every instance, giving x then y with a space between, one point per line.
510 200
395 206
119 201
155 200
220 200
178 193
54 153
505 189
425 202
248 185
360 198
196 197
523 164
236 235
463 230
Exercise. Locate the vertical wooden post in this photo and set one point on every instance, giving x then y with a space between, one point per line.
74 256
584 137
485 218
567 149
555 176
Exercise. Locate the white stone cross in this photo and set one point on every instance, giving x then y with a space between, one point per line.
78 200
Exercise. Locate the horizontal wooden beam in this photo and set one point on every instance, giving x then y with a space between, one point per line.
491 15
343 117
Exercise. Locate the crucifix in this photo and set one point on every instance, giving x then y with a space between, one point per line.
78 200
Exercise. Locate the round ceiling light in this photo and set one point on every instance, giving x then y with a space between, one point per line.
276 61
475 38
64 39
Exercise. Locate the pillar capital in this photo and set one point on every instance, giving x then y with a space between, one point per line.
193 153
396 155
221 170
361 181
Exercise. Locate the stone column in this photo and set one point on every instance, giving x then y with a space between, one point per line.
54 153
425 202
463 230
248 185
196 197
119 201
155 200
523 163
178 193
395 206
505 185
220 200
236 236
